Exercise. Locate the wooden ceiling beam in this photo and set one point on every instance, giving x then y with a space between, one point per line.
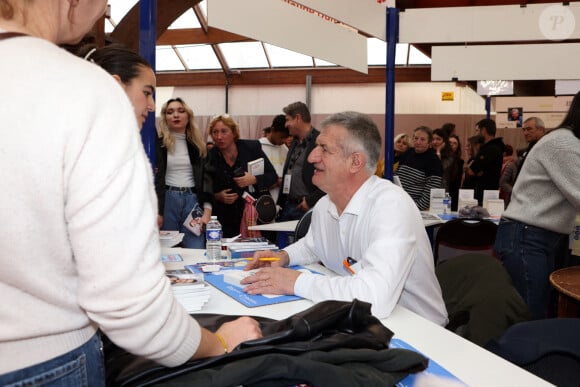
199 36
127 31
291 77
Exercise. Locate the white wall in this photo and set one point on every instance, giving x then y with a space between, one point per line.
411 98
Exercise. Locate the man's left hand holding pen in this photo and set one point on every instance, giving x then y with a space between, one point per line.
273 278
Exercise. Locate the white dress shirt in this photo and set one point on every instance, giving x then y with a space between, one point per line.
382 229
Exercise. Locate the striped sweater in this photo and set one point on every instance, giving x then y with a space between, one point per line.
419 172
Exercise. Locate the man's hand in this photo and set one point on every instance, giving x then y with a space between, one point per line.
271 280
256 263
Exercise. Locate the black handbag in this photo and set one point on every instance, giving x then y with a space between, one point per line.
266 209
329 334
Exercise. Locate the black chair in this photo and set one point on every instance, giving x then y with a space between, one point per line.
303 225
479 296
460 236
548 348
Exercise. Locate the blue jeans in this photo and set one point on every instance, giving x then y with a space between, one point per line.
178 205
529 255
83 366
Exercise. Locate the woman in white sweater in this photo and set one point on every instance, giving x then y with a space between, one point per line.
532 238
79 249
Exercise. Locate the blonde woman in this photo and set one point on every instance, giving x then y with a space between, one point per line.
402 143
230 156
183 180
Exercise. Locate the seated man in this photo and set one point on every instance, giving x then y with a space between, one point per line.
362 217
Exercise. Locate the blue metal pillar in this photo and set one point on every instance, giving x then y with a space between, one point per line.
392 39
147 42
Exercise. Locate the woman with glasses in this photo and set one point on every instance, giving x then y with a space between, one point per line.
229 157
183 179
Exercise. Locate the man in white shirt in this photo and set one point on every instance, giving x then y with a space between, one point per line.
365 219
274 147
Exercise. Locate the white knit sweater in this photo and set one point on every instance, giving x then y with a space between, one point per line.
547 191
78 238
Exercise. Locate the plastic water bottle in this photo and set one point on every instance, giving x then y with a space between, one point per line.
447 204
213 239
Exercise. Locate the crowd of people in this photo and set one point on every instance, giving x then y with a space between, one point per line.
95 184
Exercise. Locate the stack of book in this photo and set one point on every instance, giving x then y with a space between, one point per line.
189 289
170 238
246 247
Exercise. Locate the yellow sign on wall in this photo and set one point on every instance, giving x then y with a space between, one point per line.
447 96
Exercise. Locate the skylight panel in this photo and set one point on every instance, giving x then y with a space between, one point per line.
281 57
187 20
119 9
323 63
416 57
244 55
199 57
167 60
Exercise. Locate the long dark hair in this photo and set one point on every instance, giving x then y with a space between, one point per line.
572 119
116 59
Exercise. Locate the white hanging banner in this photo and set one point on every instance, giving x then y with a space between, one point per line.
292 26
551 61
368 16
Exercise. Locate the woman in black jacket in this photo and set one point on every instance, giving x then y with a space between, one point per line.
183 179
229 157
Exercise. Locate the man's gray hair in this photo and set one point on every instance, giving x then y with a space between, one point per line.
363 136
537 120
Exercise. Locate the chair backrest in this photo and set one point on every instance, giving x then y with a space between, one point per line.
460 236
548 348
303 225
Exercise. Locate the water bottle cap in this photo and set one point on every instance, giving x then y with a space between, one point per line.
214 217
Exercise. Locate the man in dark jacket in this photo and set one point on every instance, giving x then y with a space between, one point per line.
298 194
488 161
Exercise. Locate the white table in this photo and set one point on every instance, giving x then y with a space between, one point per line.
469 362
288 226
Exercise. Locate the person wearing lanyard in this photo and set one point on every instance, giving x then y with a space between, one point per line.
183 179
298 194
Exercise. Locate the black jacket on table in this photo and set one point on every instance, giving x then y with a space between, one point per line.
315 193
488 162
202 174
333 343
230 215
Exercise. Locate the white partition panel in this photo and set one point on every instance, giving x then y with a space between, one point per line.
288 25
513 62
365 15
567 87
490 23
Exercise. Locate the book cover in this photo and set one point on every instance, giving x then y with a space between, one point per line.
247 252
236 292
172 258
256 167
185 279
434 370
